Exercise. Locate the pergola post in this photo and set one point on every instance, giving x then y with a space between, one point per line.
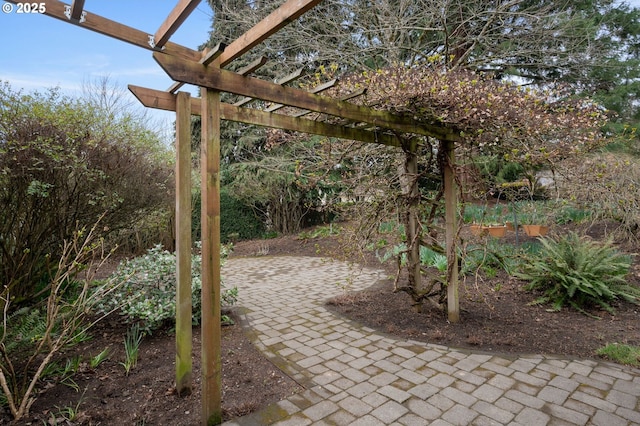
451 205
183 244
210 187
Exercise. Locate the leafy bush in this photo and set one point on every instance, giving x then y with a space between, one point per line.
488 258
571 214
608 184
148 287
64 163
578 272
237 220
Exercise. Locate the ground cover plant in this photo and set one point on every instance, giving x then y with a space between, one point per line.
32 336
575 271
146 288
623 354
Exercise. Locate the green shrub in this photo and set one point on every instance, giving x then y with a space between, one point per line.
575 271
64 163
570 214
237 220
473 213
148 288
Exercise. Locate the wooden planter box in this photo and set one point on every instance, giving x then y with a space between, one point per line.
510 226
476 229
535 230
492 230
496 231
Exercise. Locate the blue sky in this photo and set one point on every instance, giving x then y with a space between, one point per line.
40 52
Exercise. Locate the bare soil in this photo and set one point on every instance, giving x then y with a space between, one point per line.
496 317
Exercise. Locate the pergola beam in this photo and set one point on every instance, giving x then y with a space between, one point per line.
167 101
208 56
280 81
93 22
318 89
346 97
178 15
227 81
276 20
252 66
76 10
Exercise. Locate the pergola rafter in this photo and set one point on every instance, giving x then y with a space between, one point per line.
75 13
227 81
178 15
316 90
253 66
208 56
56 9
167 101
297 74
205 69
279 18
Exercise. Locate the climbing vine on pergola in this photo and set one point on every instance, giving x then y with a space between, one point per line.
394 107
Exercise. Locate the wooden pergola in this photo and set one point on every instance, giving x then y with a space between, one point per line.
206 69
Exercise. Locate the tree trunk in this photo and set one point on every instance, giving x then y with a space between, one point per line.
411 204
451 203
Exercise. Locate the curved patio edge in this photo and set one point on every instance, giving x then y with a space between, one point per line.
354 375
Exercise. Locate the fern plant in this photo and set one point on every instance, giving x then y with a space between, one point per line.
30 337
27 326
577 272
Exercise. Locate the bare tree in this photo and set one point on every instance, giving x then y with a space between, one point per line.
543 41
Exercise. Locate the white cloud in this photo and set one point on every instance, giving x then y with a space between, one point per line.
155 71
39 82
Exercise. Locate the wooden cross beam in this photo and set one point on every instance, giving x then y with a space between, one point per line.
346 97
278 19
252 66
93 22
208 56
177 16
76 10
318 89
281 81
167 101
227 81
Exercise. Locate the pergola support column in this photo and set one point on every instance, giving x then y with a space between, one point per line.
184 364
210 186
451 205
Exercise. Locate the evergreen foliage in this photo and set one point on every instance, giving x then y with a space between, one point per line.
574 271
238 221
